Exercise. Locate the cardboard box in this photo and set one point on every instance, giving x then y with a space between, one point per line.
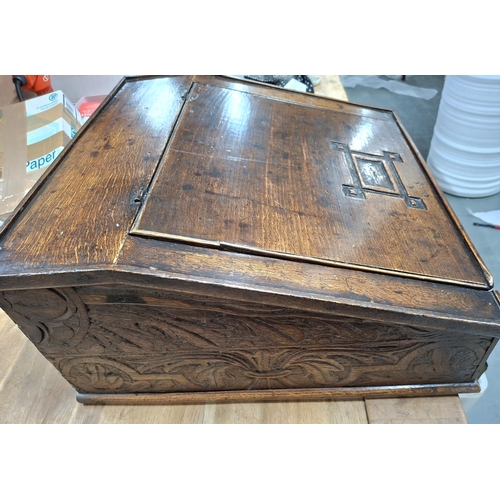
32 135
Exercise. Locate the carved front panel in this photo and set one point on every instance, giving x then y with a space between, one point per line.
418 363
48 317
175 342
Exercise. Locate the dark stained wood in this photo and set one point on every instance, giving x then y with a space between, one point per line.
312 100
32 391
312 254
275 395
281 178
151 263
120 342
455 220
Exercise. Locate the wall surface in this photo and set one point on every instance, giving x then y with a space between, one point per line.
7 91
77 86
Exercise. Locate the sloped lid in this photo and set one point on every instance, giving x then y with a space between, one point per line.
249 173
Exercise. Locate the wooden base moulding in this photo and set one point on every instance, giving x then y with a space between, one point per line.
277 395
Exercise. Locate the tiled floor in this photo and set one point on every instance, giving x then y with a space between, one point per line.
418 116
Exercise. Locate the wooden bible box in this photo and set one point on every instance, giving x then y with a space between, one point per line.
213 239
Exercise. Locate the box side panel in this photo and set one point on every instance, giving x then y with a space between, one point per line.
120 341
149 263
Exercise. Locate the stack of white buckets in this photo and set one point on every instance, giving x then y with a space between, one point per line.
465 149
464 155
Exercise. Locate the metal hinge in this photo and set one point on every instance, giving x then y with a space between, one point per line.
139 197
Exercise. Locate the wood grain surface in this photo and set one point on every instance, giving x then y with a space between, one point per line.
82 239
445 410
153 263
117 340
258 189
32 391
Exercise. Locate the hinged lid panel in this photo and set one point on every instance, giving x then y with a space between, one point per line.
245 172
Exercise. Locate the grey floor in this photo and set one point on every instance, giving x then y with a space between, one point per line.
418 116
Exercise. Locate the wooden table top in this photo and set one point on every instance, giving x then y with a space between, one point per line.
32 391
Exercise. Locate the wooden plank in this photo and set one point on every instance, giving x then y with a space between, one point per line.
331 85
425 410
300 182
331 412
302 285
32 391
334 102
12 342
174 414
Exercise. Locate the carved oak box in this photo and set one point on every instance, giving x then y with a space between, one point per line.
213 239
